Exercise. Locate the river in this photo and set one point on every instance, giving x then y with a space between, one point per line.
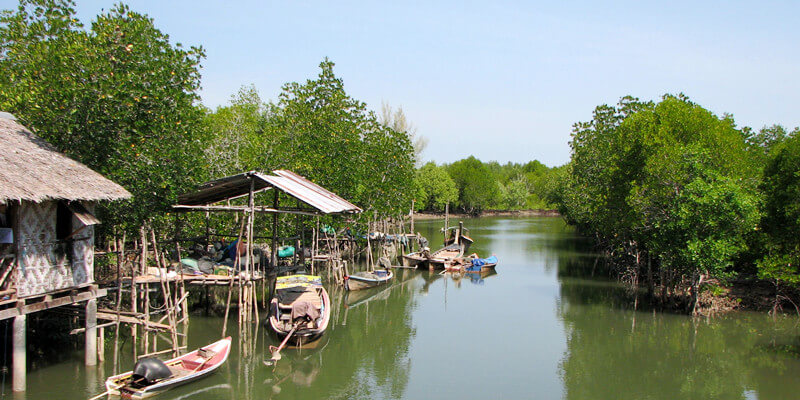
542 327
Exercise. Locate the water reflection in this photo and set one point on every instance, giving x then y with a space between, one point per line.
547 324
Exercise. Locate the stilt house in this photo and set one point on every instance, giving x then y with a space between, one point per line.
46 234
46 221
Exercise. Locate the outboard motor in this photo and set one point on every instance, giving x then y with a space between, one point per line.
148 371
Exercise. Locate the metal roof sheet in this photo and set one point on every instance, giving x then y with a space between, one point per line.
310 193
294 185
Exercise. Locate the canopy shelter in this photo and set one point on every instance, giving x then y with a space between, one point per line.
317 200
312 200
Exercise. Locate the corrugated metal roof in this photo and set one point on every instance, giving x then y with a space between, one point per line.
319 198
310 193
229 187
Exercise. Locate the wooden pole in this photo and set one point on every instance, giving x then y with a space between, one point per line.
101 348
275 230
446 218
412 216
134 308
120 261
250 262
168 301
91 333
230 288
19 359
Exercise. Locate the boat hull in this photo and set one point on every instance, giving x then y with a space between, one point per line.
361 282
304 335
414 260
194 370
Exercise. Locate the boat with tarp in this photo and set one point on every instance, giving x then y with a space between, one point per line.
300 309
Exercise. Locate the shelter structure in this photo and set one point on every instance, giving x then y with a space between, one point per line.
311 200
46 234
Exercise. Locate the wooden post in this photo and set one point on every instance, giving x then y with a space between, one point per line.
275 230
446 219
120 261
251 265
134 307
101 345
91 332
412 216
19 355
230 286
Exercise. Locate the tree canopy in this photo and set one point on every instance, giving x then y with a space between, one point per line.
670 180
118 97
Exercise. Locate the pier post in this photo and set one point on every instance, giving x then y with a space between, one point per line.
19 355
91 332
101 344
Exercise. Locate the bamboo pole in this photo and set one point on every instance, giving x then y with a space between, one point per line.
134 300
169 308
120 260
230 287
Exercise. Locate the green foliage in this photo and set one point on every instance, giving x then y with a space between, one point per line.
235 137
477 188
435 188
118 97
318 131
781 221
516 193
669 179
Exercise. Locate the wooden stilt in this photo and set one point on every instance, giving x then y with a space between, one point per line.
120 261
230 286
19 359
91 333
134 307
101 345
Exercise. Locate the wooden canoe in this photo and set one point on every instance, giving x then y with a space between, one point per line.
445 256
367 279
415 259
295 289
186 368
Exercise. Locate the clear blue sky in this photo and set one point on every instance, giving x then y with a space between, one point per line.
499 80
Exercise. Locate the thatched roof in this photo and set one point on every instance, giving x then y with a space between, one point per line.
32 170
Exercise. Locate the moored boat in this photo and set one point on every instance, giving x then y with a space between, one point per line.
416 259
367 279
456 236
300 308
151 376
477 264
444 257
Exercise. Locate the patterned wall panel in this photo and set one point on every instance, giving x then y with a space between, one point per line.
43 262
83 252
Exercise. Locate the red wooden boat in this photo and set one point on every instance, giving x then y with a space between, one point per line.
152 376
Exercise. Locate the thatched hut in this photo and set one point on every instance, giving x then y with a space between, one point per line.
46 234
46 203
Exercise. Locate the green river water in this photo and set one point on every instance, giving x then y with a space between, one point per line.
540 328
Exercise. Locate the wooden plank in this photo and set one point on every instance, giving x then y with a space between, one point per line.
130 320
45 305
81 330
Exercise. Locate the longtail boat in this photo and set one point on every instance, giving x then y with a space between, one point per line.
151 376
300 308
367 279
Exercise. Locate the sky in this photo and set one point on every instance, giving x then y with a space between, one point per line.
500 80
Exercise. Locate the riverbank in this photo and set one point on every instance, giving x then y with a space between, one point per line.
489 213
